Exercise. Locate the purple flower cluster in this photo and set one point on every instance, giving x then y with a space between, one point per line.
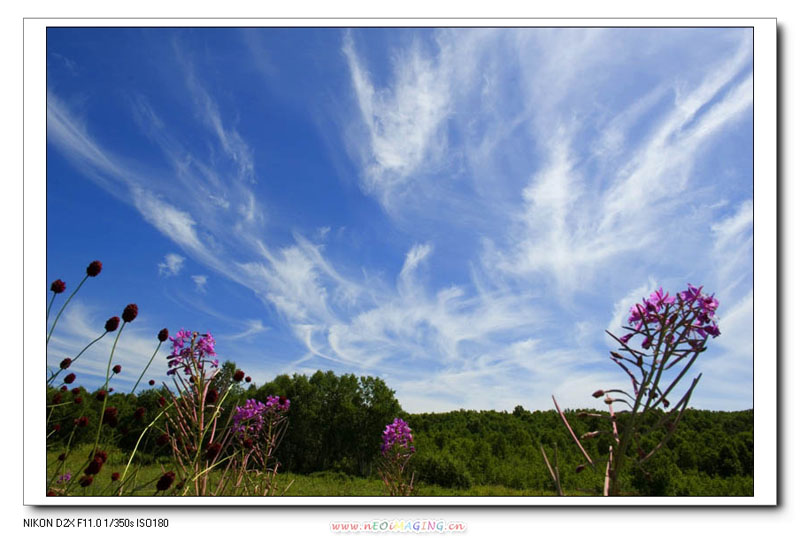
690 309
183 355
397 434
250 418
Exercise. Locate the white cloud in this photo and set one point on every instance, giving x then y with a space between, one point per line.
403 121
200 282
171 265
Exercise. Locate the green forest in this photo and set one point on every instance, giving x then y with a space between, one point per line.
335 424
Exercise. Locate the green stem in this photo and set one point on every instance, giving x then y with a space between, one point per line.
105 388
50 305
62 309
145 368
54 376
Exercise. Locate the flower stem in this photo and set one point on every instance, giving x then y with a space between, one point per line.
105 388
62 308
145 368
54 376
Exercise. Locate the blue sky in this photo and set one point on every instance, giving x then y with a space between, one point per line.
461 212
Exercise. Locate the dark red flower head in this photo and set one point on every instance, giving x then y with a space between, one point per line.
51 493
102 455
58 287
162 401
212 395
598 393
65 363
139 413
94 466
69 378
110 417
115 476
212 450
112 324
62 457
282 400
238 376
63 388
101 394
82 422
166 481
129 313
163 439
86 480
78 399
151 382
76 390
248 379
248 443
117 369
163 334
57 398
94 268
56 427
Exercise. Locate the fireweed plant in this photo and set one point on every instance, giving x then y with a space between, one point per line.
396 451
665 335
193 431
258 428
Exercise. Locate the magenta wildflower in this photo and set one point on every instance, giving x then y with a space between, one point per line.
183 356
397 435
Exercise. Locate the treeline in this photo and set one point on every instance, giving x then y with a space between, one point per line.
710 453
336 422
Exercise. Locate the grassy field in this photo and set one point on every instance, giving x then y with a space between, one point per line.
143 478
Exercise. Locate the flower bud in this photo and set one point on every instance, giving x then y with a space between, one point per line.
65 363
94 268
69 378
117 369
112 323
163 334
165 481
129 313
598 393
58 287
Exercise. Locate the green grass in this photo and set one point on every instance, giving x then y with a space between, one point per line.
143 478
